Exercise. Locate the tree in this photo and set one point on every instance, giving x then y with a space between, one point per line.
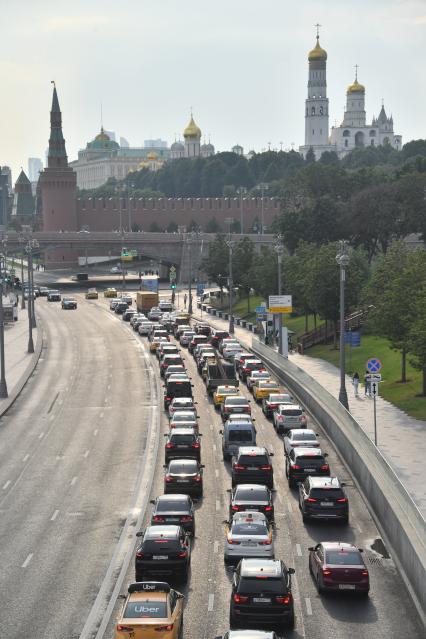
263 272
241 265
155 228
417 338
330 158
310 156
212 226
213 178
216 264
172 227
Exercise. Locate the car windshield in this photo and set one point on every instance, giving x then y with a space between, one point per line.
236 401
256 586
299 437
249 529
291 412
251 494
253 460
240 435
166 505
161 546
183 417
182 439
342 558
326 493
178 467
151 609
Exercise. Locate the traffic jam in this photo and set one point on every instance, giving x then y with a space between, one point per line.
261 598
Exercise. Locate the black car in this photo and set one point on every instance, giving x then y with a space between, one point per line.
44 291
69 303
120 308
218 336
303 461
323 498
182 443
249 366
261 594
251 497
53 296
164 550
176 388
248 634
174 509
252 465
184 476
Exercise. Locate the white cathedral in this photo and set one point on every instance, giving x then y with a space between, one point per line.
354 132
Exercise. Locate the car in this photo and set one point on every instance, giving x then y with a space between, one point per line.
186 337
227 341
158 331
271 403
165 550
184 419
261 594
337 566
305 461
248 634
165 306
323 498
184 476
255 375
179 329
248 535
262 388
44 291
53 296
126 298
27 293
297 437
288 416
252 465
197 339
118 270
174 509
145 327
176 387
120 307
203 329
69 303
128 314
91 294
155 313
168 359
172 370
136 321
156 341
182 442
251 497
167 347
250 365
221 393
242 357
217 336
202 359
113 303
231 351
110 292
151 608
238 404
181 403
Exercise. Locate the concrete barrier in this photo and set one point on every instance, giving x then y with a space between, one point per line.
395 513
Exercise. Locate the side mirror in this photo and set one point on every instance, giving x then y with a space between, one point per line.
221 432
198 417
325 454
165 435
164 465
311 548
343 483
202 465
271 454
192 385
228 490
139 533
152 501
361 549
291 571
195 403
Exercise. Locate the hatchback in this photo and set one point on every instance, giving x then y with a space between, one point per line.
174 509
323 498
182 403
182 442
304 461
164 550
271 403
297 437
252 464
184 476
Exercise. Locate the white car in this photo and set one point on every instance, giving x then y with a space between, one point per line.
126 298
255 375
300 437
181 403
288 416
155 313
144 328
174 369
231 351
226 341
186 337
184 419
248 535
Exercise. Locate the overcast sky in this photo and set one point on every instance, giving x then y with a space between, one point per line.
240 64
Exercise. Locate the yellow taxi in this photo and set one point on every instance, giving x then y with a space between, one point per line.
262 388
92 294
155 343
110 292
221 393
151 609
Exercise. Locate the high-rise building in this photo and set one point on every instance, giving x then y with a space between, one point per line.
5 176
124 143
155 144
35 166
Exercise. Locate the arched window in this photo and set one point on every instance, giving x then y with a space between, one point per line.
313 111
346 143
372 133
372 142
346 133
359 139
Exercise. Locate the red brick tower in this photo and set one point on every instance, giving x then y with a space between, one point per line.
58 187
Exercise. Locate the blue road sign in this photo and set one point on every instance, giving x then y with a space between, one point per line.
200 289
353 338
260 309
374 365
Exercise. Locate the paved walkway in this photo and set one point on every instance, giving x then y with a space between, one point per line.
401 439
16 357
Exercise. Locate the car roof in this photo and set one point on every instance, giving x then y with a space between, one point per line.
158 532
308 450
261 567
338 545
252 450
250 487
324 482
182 431
173 498
248 515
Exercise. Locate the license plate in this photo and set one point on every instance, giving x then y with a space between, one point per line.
252 468
160 556
326 503
249 543
346 587
181 446
261 600
172 518
182 481
307 470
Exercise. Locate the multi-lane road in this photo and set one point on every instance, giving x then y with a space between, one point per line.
74 482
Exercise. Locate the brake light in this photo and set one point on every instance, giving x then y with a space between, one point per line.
240 598
233 543
183 554
234 507
139 554
158 518
296 467
273 405
303 419
239 467
283 600
197 478
326 572
267 467
125 628
169 479
267 542
311 500
169 445
324 467
168 399
186 518
364 573
196 445
163 628
268 509
343 500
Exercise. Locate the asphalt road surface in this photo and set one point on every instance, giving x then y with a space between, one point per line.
72 450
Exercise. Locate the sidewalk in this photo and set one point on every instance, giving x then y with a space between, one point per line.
401 439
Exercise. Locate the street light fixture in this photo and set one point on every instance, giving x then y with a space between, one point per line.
22 242
342 259
263 186
3 385
241 192
279 250
31 244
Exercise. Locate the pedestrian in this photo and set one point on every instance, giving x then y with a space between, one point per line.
367 384
185 297
355 382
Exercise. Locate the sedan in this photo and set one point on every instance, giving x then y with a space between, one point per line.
53 296
234 405
251 497
144 328
250 381
186 338
248 535
271 403
92 294
184 419
69 303
338 566
300 437
184 476
174 509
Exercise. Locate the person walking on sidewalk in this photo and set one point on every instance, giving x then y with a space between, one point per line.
355 382
367 384
185 297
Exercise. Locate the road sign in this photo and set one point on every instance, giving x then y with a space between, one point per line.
374 365
261 317
374 388
200 289
260 309
172 273
353 338
133 253
280 304
373 377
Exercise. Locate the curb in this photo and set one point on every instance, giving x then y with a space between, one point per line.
19 386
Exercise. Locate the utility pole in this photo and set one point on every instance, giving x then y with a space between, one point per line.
279 249
241 192
3 385
342 259
263 186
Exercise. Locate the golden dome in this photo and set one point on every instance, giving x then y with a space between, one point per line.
192 130
356 87
102 136
152 155
317 53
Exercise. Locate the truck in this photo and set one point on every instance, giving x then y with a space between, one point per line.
220 373
146 300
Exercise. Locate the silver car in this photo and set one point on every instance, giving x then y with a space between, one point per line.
300 437
255 376
248 535
145 328
186 337
182 403
184 419
288 416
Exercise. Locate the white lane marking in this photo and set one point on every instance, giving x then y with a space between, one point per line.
55 514
73 480
102 414
86 454
216 546
27 561
24 459
280 498
217 504
298 550
7 484
51 418
211 426
290 507
308 606
95 432
214 447
41 436
109 386
211 603
216 472
359 528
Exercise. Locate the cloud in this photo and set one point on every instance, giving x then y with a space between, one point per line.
420 20
74 23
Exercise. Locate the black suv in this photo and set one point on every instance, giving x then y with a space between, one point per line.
252 465
177 510
184 476
176 388
251 497
261 594
304 461
163 550
182 443
323 498
217 336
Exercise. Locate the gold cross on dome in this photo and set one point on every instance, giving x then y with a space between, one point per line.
317 25
356 71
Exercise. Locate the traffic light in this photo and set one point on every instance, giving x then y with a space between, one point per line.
173 285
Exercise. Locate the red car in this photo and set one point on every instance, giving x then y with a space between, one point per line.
338 566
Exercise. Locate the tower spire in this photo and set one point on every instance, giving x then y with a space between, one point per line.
57 155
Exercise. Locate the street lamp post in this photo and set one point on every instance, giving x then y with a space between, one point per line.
29 251
279 249
230 243
3 385
263 186
189 242
342 259
123 273
241 192
22 242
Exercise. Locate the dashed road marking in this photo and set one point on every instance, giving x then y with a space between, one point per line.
308 606
214 447
211 426
210 605
27 561
290 507
73 480
41 436
24 459
102 414
95 432
7 484
217 504
216 546
216 472
55 514
86 454
298 550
